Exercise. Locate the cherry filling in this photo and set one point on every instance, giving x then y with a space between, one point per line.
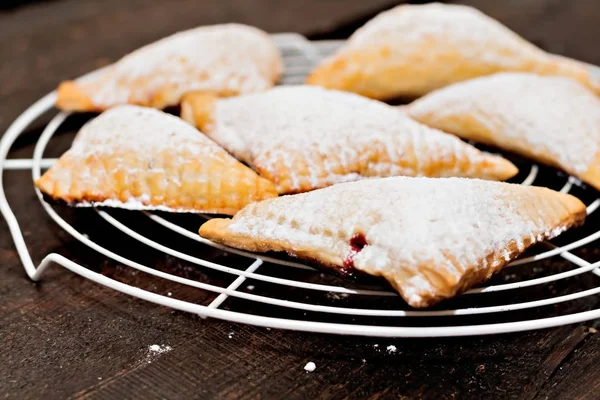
357 243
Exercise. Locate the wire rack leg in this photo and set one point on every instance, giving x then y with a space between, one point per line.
6 142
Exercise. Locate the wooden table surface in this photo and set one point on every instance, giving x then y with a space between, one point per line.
68 337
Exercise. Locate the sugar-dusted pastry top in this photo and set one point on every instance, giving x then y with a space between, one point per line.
430 238
554 120
225 59
410 50
140 158
305 137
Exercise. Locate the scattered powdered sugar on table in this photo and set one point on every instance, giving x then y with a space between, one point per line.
543 115
310 367
391 349
155 350
159 349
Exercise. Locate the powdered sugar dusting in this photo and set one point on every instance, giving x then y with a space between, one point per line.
305 137
411 50
142 129
230 58
428 237
143 159
453 26
547 116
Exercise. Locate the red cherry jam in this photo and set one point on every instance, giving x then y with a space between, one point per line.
357 243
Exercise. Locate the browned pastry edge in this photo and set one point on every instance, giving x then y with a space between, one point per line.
473 277
339 72
71 97
574 69
217 230
96 201
47 185
198 108
342 71
591 176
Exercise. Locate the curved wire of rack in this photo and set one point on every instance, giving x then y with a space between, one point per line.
299 56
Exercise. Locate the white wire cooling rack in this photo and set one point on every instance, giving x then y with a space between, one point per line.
531 294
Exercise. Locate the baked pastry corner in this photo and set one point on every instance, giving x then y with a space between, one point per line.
431 239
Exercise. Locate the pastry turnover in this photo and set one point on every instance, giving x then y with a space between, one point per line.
143 159
304 137
223 59
430 238
411 50
553 120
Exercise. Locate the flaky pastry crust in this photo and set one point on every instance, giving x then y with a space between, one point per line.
303 138
411 50
143 159
226 60
553 120
430 238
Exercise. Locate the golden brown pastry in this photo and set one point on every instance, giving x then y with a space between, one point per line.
411 50
304 137
143 159
223 59
553 120
430 238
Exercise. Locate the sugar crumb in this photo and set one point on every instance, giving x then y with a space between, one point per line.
310 366
158 349
336 296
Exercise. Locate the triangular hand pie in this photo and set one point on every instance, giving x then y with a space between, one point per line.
223 59
304 137
143 159
411 50
553 120
430 238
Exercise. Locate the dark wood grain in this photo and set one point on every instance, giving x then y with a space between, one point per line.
67 337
